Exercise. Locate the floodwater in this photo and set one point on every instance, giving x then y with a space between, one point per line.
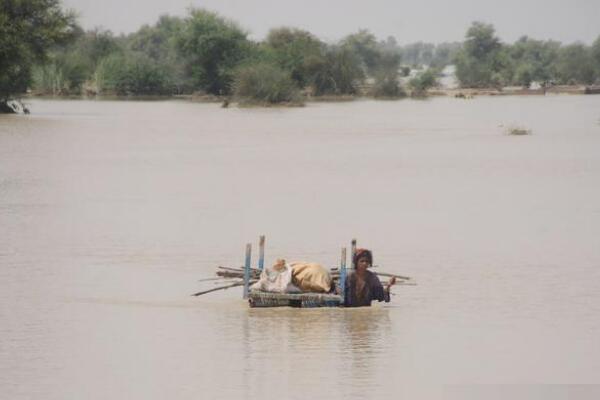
110 213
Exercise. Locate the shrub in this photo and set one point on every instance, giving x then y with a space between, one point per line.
266 84
131 74
422 82
387 86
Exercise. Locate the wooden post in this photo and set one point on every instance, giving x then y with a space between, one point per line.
353 254
247 270
261 252
343 275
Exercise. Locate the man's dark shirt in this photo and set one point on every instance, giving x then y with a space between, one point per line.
372 290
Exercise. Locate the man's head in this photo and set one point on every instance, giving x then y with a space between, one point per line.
363 259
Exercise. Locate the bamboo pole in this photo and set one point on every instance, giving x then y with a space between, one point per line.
254 273
219 288
353 255
212 279
406 278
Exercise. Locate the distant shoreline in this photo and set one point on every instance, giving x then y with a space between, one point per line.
516 91
434 92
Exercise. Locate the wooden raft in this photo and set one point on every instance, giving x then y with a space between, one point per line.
258 298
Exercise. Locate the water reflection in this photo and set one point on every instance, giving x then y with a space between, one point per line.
367 333
336 350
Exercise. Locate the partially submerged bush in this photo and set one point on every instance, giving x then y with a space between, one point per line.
265 84
518 131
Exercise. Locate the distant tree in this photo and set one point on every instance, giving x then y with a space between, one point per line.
28 29
212 46
96 45
294 50
418 53
390 45
481 42
159 43
386 75
444 54
482 61
575 65
595 54
379 60
339 72
365 46
534 60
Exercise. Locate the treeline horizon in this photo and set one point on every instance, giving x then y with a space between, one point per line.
207 53
175 56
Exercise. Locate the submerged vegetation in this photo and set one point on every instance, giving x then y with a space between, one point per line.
518 131
42 49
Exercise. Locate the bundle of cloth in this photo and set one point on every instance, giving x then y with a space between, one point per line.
296 277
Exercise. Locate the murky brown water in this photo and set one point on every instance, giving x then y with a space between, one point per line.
111 211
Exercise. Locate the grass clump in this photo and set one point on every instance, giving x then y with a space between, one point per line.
265 84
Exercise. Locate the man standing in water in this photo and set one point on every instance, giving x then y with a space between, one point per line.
363 286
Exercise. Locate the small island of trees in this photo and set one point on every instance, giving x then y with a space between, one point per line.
44 51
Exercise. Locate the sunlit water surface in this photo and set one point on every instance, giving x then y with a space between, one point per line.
110 212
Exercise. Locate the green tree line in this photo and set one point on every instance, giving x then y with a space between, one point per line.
484 61
43 49
205 52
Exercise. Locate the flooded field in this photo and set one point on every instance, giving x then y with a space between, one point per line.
110 212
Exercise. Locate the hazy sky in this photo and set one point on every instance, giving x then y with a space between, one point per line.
409 21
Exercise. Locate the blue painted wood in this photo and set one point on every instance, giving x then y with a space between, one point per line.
247 270
342 289
261 253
